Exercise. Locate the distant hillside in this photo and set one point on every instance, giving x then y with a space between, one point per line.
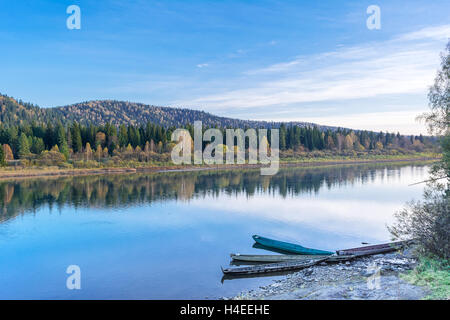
14 112
100 112
118 112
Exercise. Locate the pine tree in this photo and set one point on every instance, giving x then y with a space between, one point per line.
77 143
49 138
64 149
37 145
24 147
14 140
60 135
2 157
123 136
283 137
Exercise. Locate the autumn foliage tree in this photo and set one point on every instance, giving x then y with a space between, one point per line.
8 152
88 151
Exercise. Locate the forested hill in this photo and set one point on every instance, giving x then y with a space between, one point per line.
123 128
15 112
121 112
100 112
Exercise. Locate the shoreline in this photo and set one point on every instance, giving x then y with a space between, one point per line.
49 172
377 277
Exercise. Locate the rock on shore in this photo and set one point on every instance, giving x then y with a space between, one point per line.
369 278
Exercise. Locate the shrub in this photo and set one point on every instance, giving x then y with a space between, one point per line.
65 165
427 222
51 158
86 164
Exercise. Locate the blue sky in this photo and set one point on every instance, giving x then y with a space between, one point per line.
272 60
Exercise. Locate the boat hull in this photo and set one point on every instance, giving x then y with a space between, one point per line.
273 267
289 247
375 249
285 258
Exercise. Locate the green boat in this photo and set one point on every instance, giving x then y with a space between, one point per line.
273 257
288 247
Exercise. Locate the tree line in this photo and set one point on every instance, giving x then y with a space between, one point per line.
311 138
90 142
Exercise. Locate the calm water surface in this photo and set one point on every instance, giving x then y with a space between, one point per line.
165 236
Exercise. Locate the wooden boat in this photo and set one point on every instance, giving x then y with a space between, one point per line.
296 262
273 267
289 247
256 245
292 265
273 258
375 249
231 276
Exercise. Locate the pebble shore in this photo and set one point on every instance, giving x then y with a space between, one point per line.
368 278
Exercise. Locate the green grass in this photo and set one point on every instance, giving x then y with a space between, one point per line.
433 274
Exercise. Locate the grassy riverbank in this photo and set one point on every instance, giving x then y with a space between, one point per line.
433 274
93 167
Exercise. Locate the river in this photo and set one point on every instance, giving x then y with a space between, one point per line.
166 235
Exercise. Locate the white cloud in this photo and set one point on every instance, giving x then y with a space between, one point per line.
202 65
404 65
395 121
440 33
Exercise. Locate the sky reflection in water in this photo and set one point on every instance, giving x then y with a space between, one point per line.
165 236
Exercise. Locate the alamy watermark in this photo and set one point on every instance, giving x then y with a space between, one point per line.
74 280
259 148
374 281
74 20
373 22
